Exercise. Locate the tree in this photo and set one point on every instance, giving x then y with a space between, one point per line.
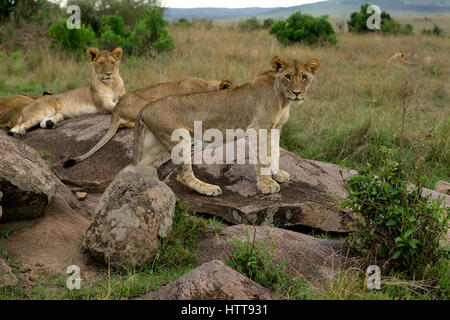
305 29
388 25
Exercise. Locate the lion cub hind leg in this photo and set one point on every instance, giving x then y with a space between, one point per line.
51 122
148 149
32 116
186 177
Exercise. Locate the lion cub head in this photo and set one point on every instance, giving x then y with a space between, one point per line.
105 64
293 77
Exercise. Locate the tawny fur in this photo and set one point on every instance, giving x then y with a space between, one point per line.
409 59
10 108
130 104
261 104
99 97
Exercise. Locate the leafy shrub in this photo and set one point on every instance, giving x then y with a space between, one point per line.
267 23
305 29
249 24
358 23
401 229
436 31
150 34
113 32
72 39
183 22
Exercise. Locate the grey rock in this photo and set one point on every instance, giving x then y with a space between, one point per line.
76 136
134 212
27 183
311 258
443 187
7 278
307 199
212 281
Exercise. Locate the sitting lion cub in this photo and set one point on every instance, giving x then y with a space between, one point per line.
99 97
261 104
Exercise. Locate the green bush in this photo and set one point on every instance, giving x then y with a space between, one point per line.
305 29
113 32
358 23
72 39
250 24
150 34
267 23
436 31
401 228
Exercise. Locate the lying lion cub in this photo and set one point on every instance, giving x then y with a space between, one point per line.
129 105
99 97
261 104
10 108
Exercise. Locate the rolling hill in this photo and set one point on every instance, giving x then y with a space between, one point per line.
333 8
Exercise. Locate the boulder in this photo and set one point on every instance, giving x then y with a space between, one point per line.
26 181
134 212
76 136
443 187
7 278
212 281
314 259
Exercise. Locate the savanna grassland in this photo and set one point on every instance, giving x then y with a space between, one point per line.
354 106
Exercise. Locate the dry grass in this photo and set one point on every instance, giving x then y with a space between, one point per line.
352 85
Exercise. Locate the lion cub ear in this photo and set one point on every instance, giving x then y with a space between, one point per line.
313 65
117 53
226 84
92 54
278 63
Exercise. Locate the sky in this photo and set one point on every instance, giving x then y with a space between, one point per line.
234 3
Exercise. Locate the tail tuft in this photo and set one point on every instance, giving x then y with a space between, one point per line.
69 163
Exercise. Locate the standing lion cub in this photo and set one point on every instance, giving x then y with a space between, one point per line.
261 104
99 97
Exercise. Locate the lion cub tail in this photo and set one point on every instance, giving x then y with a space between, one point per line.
112 130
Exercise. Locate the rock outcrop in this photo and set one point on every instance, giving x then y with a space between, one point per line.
135 211
311 258
212 281
27 183
76 136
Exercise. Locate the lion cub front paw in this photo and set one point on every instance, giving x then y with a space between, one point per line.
268 185
281 176
211 190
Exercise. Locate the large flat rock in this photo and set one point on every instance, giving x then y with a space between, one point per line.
307 199
76 136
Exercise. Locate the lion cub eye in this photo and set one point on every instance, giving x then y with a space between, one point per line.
304 77
288 76
112 62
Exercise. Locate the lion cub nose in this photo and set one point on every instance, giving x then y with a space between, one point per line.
108 73
296 92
